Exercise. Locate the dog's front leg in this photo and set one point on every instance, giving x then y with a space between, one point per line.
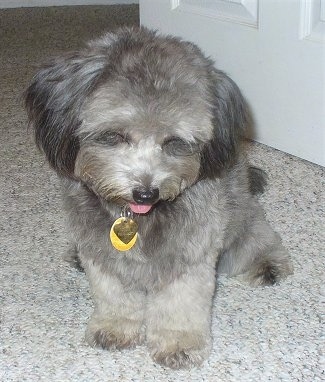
179 319
118 316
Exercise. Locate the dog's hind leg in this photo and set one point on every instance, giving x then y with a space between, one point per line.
257 254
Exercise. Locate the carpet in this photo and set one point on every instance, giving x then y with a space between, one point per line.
265 334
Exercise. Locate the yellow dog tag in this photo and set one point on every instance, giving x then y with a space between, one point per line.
124 233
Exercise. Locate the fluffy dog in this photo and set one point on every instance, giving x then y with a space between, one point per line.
143 125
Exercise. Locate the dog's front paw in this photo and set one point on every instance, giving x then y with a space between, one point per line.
179 349
114 334
179 358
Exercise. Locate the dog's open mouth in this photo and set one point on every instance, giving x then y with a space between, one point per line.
140 208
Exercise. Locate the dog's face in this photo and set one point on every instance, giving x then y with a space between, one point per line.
141 145
137 117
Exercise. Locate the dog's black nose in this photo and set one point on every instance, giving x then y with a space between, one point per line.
147 196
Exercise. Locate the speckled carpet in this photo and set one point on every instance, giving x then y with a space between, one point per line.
267 334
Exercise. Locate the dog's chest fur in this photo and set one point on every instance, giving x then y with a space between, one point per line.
173 236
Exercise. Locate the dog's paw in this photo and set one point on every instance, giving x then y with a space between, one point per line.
179 349
114 334
179 358
269 271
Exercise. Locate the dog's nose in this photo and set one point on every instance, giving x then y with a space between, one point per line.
147 196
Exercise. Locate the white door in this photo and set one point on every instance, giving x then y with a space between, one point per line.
273 49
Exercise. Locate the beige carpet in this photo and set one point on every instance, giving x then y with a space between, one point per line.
266 334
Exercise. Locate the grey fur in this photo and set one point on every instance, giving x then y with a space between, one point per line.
257 180
139 111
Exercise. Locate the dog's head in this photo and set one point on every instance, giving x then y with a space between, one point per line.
136 116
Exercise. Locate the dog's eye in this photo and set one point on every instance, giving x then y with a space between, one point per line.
111 138
178 147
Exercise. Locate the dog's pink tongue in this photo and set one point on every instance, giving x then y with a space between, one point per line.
140 208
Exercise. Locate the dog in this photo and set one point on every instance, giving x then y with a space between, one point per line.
146 137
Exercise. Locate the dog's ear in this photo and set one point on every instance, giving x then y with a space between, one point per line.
230 119
54 100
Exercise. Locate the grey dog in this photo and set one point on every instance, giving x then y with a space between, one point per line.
144 123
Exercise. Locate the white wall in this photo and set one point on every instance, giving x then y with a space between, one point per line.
45 3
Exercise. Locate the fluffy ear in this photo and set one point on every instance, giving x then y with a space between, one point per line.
53 102
230 120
